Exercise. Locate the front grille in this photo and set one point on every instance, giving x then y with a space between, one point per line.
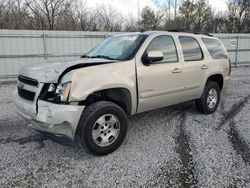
28 81
28 95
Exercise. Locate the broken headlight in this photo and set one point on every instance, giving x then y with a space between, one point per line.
63 91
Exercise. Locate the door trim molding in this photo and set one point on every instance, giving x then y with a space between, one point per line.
151 93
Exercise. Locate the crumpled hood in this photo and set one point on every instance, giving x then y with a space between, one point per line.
50 72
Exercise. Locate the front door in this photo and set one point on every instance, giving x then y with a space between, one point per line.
160 83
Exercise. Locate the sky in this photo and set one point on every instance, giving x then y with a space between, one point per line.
130 7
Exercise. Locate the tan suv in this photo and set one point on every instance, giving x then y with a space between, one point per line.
88 100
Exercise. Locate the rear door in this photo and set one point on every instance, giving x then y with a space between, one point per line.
193 66
160 83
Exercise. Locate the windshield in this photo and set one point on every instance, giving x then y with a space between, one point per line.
118 47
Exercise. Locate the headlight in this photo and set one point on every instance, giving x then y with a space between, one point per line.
63 91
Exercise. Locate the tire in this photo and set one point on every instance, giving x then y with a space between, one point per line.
202 104
99 124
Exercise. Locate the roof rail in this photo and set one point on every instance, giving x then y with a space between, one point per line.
142 30
208 34
175 30
182 30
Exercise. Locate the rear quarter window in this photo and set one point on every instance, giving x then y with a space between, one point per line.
215 48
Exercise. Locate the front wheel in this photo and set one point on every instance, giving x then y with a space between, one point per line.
210 98
103 127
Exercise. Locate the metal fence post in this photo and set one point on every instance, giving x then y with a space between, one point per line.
45 46
237 50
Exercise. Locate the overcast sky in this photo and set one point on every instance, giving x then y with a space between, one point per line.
131 6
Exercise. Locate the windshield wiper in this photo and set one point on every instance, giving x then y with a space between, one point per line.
101 56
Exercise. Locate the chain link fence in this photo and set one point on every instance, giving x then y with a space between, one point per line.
20 47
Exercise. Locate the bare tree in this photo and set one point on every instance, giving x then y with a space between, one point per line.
203 16
108 19
75 15
67 17
13 15
187 13
3 12
46 11
131 24
85 17
238 15
150 19
219 23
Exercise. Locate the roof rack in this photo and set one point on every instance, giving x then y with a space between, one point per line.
182 30
208 34
142 30
175 30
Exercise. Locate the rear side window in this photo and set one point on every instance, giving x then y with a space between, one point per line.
215 48
191 49
166 45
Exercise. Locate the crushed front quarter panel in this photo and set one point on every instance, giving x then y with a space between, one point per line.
91 79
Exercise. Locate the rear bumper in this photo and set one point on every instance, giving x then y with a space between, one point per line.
60 120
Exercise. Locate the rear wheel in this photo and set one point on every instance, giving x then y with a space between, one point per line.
210 99
103 127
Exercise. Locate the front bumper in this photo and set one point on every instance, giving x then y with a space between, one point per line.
58 119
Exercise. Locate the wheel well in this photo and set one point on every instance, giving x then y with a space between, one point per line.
119 96
218 78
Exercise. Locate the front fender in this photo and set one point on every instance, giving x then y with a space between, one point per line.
88 80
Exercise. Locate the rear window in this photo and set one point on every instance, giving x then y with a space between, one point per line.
215 48
191 49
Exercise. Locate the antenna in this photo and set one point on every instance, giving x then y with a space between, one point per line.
138 6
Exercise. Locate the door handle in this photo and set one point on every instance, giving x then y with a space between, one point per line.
204 67
176 70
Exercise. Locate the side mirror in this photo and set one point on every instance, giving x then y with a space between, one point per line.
152 56
155 56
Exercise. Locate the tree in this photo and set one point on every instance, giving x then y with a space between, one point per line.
108 19
196 16
192 15
131 24
85 17
204 15
150 19
219 23
13 15
238 15
46 11
187 14
67 19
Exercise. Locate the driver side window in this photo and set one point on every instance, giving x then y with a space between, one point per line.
166 45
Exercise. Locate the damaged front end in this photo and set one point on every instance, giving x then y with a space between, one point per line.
44 96
46 106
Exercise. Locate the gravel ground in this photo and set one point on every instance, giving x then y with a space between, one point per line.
169 147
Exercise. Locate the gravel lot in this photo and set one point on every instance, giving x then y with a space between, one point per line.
170 147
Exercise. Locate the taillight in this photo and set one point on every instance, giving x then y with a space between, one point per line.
229 67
